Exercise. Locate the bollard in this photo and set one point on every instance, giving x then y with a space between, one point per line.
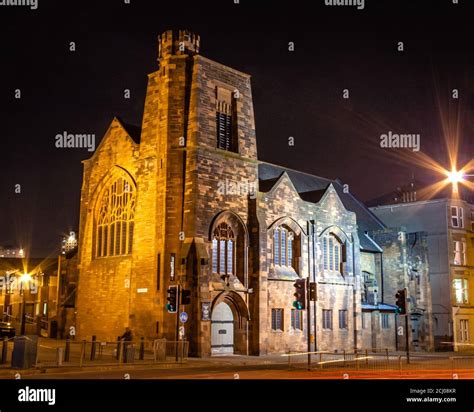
67 352
142 348
101 348
366 357
4 350
120 351
59 356
344 357
118 347
386 351
83 353
125 351
94 338
320 360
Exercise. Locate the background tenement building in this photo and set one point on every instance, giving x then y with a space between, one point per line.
449 225
186 201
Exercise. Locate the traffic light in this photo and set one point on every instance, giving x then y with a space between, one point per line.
172 299
313 294
401 301
300 294
185 297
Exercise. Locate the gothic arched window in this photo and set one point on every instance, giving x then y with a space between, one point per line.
283 246
332 253
113 229
223 250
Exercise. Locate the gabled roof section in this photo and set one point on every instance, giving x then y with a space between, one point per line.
115 123
330 192
311 188
133 131
278 181
303 182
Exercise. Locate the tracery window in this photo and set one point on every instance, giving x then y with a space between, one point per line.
115 219
332 253
223 250
283 246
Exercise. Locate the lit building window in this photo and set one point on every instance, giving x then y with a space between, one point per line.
327 318
325 253
230 257
283 245
461 290
343 319
222 261
459 250
296 319
332 253
457 216
464 330
115 219
277 320
215 259
223 250
276 247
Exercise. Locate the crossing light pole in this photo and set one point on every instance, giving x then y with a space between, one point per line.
401 303
300 294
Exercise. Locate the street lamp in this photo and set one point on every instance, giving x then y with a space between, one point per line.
24 279
456 176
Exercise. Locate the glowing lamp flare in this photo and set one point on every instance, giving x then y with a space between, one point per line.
26 277
455 176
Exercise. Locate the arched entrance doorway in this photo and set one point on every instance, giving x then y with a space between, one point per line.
229 325
222 330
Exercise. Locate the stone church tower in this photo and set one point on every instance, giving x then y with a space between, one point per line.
149 210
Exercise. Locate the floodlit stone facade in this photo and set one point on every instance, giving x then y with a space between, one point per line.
191 205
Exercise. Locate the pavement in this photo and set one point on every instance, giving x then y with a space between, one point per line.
438 365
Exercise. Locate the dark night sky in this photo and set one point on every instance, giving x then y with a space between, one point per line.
295 94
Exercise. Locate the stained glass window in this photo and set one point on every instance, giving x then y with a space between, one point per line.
223 250
114 219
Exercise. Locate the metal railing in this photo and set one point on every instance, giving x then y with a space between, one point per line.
379 360
93 352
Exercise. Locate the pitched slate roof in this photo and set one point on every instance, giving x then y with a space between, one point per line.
311 188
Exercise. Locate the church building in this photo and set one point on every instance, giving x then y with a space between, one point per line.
184 200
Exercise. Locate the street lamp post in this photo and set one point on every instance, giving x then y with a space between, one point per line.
24 279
